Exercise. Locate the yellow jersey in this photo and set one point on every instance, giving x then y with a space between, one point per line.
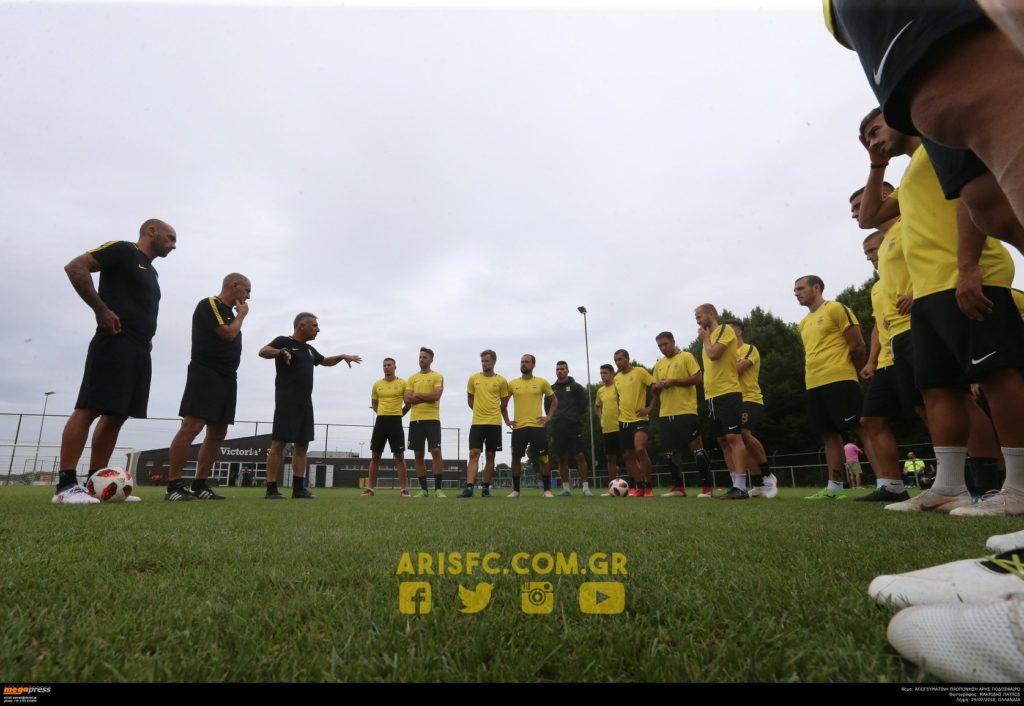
608 401
826 353
631 389
677 399
720 376
424 384
388 395
881 311
528 396
895 278
749 385
930 234
488 391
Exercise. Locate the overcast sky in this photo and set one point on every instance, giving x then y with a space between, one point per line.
454 177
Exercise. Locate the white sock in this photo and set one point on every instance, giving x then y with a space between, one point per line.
586 485
893 486
1014 469
740 481
949 476
565 486
835 486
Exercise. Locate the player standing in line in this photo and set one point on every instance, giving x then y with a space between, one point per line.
676 376
631 383
833 353
423 392
607 407
748 365
528 392
388 402
118 367
294 360
211 386
567 429
486 393
723 394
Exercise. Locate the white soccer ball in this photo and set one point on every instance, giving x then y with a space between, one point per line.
110 485
618 488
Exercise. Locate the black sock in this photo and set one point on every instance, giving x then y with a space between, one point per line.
515 483
704 466
469 486
89 474
198 484
758 481
298 483
673 468
485 486
67 479
423 482
983 475
438 480
271 488
765 470
547 482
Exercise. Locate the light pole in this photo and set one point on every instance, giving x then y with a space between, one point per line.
590 402
39 439
361 444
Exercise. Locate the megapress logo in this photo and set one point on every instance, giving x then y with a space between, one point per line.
23 694
536 596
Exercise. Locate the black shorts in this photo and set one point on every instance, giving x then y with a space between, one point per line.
628 431
293 420
835 407
117 375
485 434
424 430
752 416
612 443
677 431
951 350
209 395
533 437
892 38
388 430
955 168
883 397
902 346
727 412
566 438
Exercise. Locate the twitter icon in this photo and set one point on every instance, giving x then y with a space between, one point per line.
476 600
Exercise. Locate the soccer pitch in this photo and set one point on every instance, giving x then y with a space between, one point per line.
246 590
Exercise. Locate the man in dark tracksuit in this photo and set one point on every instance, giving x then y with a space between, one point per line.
567 428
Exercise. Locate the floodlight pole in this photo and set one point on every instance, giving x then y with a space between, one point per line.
39 439
590 402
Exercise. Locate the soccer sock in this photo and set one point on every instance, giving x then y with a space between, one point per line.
485 486
757 481
835 486
515 483
949 476
586 485
893 486
704 467
298 483
271 488
565 486
987 475
740 481
423 482
67 479
469 486
1014 469
90 474
438 480
673 468
198 484
547 482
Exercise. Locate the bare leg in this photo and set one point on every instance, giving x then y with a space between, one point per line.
274 459
488 467
76 431
177 454
104 439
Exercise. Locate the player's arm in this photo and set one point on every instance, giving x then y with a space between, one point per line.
969 297
469 399
551 411
875 208
229 332
715 350
855 342
269 352
742 364
868 371
331 361
431 396
373 404
655 400
79 271
504 413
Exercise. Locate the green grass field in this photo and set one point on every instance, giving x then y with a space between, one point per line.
246 590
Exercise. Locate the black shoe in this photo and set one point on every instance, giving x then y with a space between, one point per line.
883 495
485 493
467 492
734 494
205 493
302 495
179 494
274 495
